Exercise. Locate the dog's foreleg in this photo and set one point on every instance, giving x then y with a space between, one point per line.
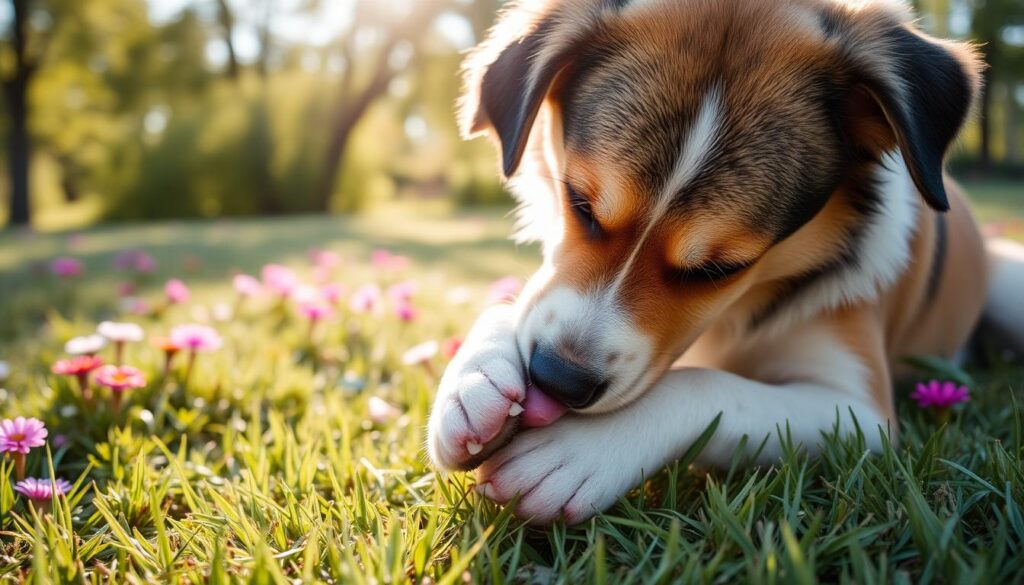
582 464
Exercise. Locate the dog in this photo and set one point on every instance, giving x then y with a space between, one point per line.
743 214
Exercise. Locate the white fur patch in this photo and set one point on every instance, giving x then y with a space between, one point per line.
695 151
1007 285
882 258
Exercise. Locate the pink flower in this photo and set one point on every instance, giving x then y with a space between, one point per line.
279 280
76 366
406 312
246 286
196 338
504 290
402 291
176 291
385 260
41 490
315 310
381 258
21 435
126 289
326 259
333 293
135 260
67 267
365 299
936 394
380 411
120 378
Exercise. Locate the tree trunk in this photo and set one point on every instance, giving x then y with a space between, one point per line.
1012 124
227 22
19 145
345 119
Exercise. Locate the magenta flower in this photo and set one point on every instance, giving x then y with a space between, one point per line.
941 395
176 291
365 299
41 491
21 435
18 437
120 378
67 267
279 280
246 286
315 311
196 338
406 312
504 290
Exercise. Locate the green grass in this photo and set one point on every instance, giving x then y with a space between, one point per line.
265 467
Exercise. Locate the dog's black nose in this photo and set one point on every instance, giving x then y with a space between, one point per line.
566 382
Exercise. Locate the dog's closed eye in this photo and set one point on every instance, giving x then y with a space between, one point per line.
583 211
710 271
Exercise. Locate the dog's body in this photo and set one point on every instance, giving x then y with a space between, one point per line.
743 211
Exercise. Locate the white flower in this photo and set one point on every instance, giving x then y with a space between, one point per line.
459 296
380 411
222 311
421 353
5 371
85 345
120 332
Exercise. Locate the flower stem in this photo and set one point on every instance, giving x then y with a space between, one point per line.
19 465
188 367
118 352
83 384
115 403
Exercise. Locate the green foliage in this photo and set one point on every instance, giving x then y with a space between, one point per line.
265 466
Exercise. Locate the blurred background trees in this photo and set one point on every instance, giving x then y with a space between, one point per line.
135 109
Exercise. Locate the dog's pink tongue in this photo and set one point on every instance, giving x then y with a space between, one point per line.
539 409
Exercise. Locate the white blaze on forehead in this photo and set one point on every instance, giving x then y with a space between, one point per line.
697 147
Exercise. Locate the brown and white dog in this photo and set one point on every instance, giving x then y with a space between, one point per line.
743 211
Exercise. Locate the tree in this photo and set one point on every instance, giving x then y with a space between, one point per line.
16 85
989 19
357 95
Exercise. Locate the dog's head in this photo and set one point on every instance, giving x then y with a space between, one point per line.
684 157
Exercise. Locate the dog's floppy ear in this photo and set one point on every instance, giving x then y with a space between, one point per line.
508 77
909 90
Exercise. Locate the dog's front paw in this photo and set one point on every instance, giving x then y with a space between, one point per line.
571 470
479 397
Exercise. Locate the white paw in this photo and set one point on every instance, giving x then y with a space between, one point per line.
478 398
570 470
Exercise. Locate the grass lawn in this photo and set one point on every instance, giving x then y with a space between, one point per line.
274 459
